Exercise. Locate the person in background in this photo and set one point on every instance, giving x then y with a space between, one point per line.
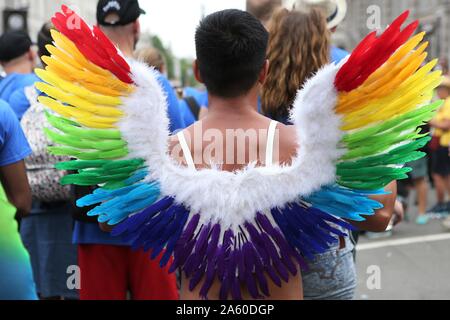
443 65
419 175
334 11
190 107
299 46
109 267
152 57
18 60
47 231
16 277
263 9
13 149
194 105
440 158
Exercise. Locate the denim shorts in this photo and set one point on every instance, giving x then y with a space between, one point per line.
332 275
47 235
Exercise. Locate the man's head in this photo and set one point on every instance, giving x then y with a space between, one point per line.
119 20
263 9
443 91
16 52
44 38
231 53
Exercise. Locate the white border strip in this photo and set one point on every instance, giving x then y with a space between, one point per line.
403 242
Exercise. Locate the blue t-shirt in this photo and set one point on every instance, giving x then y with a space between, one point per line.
13 144
188 116
12 90
174 113
338 54
90 233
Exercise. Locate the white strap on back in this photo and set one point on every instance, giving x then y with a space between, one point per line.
186 151
270 143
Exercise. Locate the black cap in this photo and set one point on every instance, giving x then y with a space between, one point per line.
13 44
127 11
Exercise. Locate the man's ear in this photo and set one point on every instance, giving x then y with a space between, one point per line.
197 74
32 55
137 30
264 72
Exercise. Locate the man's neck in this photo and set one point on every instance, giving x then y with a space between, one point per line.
243 106
125 45
23 68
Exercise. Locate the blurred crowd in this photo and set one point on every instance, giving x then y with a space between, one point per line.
57 234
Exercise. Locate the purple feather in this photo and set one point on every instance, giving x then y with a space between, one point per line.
193 263
171 244
224 289
225 251
133 223
188 233
197 277
236 289
202 241
253 259
181 255
241 265
214 240
251 286
258 243
210 275
301 261
273 275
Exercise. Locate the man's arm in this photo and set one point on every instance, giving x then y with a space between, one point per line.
380 220
15 182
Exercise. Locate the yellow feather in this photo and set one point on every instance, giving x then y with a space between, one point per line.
384 80
84 77
55 106
92 97
78 102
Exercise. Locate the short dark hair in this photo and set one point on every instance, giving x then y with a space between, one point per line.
44 38
231 51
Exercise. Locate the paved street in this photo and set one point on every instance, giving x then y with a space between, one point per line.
414 263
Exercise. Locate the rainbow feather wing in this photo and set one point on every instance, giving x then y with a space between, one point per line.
384 91
85 82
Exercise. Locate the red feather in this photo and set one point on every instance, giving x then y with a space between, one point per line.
372 53
94 45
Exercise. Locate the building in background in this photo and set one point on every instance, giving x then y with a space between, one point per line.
40 11
434 17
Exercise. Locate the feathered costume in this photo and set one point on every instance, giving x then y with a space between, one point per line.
356 123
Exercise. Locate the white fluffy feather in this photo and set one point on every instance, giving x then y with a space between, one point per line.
234 198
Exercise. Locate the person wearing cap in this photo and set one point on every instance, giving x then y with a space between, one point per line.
18 60
440 159
109 267
334 10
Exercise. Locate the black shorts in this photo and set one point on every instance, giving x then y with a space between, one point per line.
440 163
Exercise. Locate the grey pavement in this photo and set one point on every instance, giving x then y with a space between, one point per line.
413 263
